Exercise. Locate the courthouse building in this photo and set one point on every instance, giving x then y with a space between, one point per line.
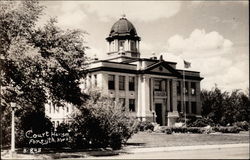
151 88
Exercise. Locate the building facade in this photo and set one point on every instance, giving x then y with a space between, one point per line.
150 88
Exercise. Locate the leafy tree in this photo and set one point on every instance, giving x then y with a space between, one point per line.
225 108
37 64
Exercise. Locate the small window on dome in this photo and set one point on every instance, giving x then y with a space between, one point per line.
133 45
121 45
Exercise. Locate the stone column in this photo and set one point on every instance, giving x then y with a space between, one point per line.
168 96
139 102
145 96
174 95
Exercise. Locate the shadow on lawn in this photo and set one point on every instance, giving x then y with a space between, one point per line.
135 144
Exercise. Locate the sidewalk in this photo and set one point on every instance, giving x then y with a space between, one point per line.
182 148
82 155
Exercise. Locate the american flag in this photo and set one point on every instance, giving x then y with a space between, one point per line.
187 64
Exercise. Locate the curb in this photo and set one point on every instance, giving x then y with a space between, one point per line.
181 148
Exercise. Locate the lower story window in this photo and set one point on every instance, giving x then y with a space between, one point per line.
193 107
132 105
187 107
179 106
122 102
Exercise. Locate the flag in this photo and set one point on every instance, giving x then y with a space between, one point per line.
187 64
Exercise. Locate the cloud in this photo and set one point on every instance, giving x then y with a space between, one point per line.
206 44
72 14
135 10
212 55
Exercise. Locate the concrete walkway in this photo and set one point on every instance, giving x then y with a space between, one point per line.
129 151
182 148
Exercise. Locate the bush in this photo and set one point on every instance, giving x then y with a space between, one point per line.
179 129
201 122
231 129
195 130
101 123
168 130
243 125
198 130
145 126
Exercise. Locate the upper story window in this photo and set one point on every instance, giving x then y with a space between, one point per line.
157 85
121 82
178 87
111 81
193 88
131 83
186 88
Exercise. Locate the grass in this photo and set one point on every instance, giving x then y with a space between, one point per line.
144 139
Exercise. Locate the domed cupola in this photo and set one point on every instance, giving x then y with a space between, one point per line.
123 39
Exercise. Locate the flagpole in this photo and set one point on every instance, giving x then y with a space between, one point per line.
184 103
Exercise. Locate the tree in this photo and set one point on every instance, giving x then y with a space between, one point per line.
37 64
225 108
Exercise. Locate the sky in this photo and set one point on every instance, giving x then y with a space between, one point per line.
212 35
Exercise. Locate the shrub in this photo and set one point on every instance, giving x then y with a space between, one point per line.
168 130
145 125
243 125
194 130
231 129
198 130
201 122
179 129
101 123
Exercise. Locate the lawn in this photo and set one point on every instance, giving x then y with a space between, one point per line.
144 139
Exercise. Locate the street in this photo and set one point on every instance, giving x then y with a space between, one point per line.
221 153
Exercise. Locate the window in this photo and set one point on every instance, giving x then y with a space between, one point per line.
131 83
111 81
178 87
95 79
132 105
193 88
121 44
157 85
90 81
186 87
67 109
187 107
179 106
132 46
122 102
121 82
193 107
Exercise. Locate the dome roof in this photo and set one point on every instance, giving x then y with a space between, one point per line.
123 28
